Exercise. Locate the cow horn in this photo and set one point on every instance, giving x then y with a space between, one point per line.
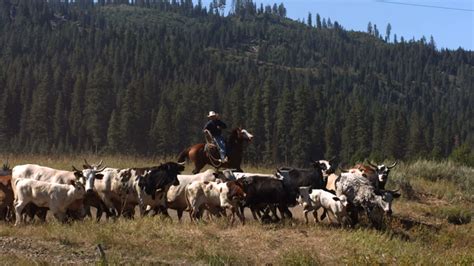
75 169
181 163
100 163
87 164
101 169
393 165
372 164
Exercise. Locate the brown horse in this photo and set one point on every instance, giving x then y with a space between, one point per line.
201 155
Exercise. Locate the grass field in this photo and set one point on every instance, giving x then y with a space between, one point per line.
418 233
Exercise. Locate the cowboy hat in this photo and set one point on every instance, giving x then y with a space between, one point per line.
212 113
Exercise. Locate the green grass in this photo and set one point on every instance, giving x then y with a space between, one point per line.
444 179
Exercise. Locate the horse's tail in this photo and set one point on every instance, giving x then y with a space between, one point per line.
183 155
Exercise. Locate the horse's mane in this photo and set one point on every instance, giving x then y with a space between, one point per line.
233 136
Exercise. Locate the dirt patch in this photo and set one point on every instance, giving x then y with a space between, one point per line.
47 251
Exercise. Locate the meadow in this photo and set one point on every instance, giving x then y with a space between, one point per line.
430 225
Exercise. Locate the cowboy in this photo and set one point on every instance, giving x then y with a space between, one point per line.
215 126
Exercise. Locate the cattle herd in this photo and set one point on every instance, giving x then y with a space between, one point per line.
28 191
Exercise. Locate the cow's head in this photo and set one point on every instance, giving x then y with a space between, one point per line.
6 170
382 170
304 198
235 191
79 190
385 198
342 199
89 174
327 167
160 178
5 174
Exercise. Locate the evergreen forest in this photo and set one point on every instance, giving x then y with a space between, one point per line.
139 77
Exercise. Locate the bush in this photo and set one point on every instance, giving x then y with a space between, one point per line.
463 154
458 216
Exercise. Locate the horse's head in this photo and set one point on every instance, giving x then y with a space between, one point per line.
241 134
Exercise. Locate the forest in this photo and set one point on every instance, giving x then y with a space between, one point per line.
139 77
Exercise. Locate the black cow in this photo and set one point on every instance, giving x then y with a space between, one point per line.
297 177
160 177
262 191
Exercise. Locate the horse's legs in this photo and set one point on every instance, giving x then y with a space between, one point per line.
198 165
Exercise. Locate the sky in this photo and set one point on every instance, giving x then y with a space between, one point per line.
450 22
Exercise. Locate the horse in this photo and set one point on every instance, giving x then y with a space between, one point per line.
202 154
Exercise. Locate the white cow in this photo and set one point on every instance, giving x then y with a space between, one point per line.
239 175
319 198
215 197
47 174
176 195
56 197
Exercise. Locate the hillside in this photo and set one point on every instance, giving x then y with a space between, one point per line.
139 79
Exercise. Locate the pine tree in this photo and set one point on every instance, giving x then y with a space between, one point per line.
283 125
318 21
301 143
40 114
114 141
160 133
4 131
95 115
387 32
60 122
267 115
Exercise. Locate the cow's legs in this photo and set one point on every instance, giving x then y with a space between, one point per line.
59 215
41 214
180 214
240 214
254 213
19 205
306 215
285 212
315 215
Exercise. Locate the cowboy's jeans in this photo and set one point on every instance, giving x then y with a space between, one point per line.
221 146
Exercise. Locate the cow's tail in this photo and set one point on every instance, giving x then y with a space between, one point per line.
183 155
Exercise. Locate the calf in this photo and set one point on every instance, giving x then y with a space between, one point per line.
215 197
176 195
314 199
56 197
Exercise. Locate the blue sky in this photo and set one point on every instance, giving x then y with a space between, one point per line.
450 28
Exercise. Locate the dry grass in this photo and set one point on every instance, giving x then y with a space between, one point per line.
419 233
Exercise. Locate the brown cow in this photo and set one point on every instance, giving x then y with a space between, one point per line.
377 174
6 193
